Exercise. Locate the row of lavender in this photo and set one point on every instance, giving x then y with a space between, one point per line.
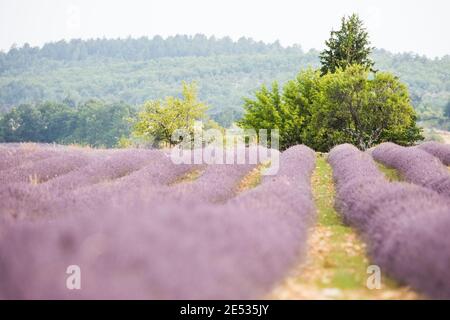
439 150
422 165
406 226
135 234
49 181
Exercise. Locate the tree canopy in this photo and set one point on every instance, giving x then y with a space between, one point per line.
158 120
137 70
348 106
354 107
347 46
288 111
93 123
343 102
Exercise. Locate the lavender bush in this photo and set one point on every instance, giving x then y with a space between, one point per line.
137 246
37 172
405 225
104 179
11 157
415 165
216 184
113 166
439 150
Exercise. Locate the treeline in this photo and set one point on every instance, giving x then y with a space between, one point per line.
134 49
94 123
222 80
138 70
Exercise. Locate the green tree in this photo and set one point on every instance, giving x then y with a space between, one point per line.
347 46
348 106
100 124
356 108
94 123
22 124
299 96
158 119
57 121
288 111
266 111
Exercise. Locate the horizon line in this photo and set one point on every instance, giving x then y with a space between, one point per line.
191 36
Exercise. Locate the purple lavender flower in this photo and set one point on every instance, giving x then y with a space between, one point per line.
135 245
405 226
439 150
415 165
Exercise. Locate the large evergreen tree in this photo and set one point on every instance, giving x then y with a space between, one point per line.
347 46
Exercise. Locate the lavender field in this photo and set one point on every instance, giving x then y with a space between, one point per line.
139 226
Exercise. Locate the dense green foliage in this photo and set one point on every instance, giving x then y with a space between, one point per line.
288 111
92 123
132 49
159 120
343 102
348 106
354 107
137 70
347 46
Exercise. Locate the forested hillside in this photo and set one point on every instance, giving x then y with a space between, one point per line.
135 70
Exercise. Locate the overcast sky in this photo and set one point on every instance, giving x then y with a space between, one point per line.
421 26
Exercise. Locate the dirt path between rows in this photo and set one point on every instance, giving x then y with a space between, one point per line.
336 264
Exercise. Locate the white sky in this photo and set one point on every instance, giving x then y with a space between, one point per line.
421 26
